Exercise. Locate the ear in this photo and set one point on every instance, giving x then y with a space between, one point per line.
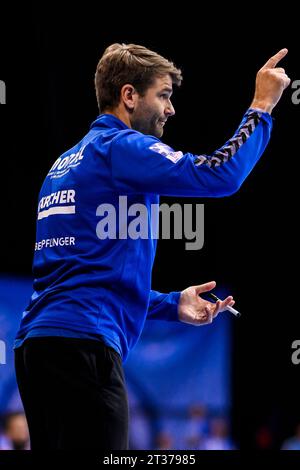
129 96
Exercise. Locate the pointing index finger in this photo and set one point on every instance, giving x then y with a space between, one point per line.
273 61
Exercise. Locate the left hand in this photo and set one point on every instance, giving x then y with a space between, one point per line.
197 311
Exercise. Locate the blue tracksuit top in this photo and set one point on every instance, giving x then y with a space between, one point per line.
89 286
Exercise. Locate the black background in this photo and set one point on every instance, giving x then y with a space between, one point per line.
48 60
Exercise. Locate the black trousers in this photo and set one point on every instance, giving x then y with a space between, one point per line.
73 392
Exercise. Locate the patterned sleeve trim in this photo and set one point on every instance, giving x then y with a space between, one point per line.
225 153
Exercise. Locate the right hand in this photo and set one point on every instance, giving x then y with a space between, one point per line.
271 81
196 311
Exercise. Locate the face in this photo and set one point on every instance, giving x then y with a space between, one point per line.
152 110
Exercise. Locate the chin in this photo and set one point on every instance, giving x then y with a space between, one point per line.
158 133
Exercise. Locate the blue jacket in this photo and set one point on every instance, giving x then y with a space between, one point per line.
88 286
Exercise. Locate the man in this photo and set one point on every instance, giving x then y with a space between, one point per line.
92 293
15 434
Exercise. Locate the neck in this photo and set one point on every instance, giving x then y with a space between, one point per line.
120 114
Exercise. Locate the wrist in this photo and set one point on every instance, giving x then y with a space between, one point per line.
262 106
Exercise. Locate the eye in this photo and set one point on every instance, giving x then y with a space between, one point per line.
165 96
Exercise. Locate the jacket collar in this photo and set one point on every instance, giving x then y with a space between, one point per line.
108 120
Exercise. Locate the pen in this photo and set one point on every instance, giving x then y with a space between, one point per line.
230 309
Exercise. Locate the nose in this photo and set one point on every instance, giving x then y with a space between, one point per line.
170 111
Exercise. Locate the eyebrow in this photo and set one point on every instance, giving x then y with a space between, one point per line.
169 90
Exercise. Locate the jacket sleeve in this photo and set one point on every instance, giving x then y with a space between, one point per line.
163 306
143 164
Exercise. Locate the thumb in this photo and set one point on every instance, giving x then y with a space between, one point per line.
205 287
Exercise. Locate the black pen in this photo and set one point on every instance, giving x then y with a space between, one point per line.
230 309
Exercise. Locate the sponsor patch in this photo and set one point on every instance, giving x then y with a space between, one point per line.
166 151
